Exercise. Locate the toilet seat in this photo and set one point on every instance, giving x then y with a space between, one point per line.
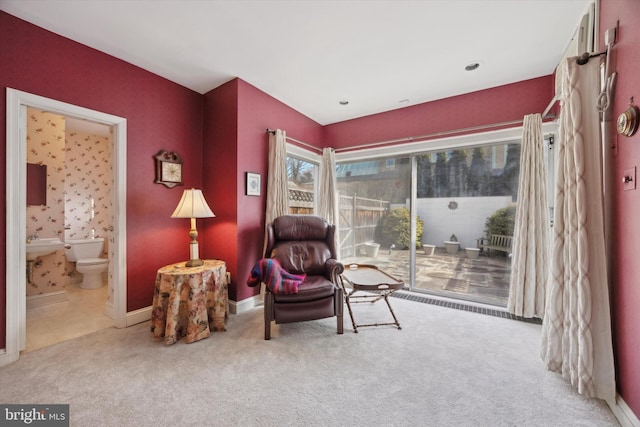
91 261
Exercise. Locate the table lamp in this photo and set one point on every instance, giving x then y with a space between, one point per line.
193 205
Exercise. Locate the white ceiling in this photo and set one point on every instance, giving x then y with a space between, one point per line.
311 54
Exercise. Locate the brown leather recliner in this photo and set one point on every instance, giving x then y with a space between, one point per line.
304 244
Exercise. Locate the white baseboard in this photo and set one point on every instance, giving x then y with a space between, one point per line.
239 307
46 299
138 316
623 413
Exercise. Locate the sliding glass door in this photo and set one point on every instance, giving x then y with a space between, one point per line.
425 218
464 197
375 197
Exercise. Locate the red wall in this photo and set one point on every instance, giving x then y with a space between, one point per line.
222 135
236 118
258 111
501 104
220 154
625 60
160 115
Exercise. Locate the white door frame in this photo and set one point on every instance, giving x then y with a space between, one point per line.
16 211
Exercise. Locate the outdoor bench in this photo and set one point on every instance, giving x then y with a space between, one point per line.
497 242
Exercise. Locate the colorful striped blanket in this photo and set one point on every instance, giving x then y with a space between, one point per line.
276 278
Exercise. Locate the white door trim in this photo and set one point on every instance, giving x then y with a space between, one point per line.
16 188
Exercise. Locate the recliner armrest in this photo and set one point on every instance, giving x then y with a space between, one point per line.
332 269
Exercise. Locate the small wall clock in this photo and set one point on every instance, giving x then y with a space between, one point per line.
628 121
168 168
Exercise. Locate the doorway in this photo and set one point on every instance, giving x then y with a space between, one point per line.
73 201
17 104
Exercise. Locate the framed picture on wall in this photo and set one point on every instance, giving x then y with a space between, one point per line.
254 183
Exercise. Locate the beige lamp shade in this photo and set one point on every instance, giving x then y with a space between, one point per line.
192 205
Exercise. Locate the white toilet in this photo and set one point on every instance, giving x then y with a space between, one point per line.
86 254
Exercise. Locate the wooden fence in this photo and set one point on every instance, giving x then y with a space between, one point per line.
359 218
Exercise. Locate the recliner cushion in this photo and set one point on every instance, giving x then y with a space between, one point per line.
313 288
300 227
302 257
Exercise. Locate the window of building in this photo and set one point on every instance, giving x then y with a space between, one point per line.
302 179
401 208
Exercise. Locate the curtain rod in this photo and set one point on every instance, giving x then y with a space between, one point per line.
427 136
272 132
545 116
437 134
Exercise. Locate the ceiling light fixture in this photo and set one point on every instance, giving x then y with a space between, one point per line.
343 102
472 66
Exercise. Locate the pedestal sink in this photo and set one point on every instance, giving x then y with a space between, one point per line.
41 247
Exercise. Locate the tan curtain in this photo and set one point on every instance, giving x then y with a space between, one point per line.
530 237
328 191
277 189
576 330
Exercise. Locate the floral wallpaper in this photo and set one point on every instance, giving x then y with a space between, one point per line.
88 185
46 146
88 189
79 189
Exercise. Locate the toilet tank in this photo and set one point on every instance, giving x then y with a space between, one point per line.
76 249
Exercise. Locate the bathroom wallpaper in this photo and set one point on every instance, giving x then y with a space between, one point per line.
79 186
88 185
46 146
88 190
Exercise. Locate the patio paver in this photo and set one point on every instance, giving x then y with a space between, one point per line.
484 279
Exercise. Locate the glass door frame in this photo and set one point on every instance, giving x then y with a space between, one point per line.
414 149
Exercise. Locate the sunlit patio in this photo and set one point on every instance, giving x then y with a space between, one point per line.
484 279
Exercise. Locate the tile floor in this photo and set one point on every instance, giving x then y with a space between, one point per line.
82 314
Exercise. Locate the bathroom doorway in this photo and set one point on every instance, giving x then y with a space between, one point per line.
72 203
17 104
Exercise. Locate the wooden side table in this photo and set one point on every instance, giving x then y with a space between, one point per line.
190 302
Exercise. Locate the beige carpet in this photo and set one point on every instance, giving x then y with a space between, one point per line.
445 367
